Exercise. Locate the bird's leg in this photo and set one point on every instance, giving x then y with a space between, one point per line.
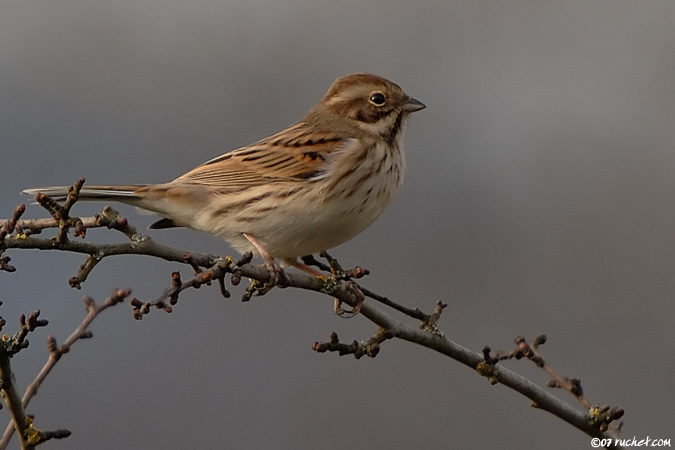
305 268
276 272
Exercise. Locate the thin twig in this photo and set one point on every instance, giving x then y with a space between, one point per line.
55 354
343 290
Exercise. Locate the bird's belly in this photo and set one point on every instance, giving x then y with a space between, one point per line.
308 224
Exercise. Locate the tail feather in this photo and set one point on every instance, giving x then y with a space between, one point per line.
147 198
113 193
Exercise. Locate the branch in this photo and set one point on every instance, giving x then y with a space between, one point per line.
22 422
600 417
339 285
29 436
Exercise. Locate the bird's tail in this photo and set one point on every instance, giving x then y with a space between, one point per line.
146 197
121 193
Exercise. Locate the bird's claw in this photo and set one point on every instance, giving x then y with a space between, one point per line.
277 277
349 313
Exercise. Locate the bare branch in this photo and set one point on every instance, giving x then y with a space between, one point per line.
340 285
370 347
17 406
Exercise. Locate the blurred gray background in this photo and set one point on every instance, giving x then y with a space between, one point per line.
540 198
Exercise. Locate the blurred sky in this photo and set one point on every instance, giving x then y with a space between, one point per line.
540 198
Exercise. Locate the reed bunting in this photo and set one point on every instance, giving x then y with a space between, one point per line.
307 188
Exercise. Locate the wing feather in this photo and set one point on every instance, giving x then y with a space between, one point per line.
296 153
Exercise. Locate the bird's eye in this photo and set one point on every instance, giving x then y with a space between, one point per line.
377 99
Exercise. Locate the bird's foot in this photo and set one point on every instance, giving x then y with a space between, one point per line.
277 277
356 292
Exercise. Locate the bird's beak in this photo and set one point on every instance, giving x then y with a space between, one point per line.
412 104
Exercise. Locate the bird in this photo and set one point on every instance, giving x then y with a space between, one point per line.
307 188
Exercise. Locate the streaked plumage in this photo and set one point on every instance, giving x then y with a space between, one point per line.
309 187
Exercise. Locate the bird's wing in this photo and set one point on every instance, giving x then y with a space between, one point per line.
296 153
